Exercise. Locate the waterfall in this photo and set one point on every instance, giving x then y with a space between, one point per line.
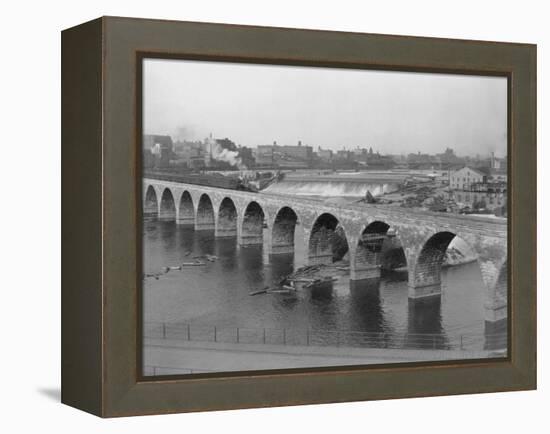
331 188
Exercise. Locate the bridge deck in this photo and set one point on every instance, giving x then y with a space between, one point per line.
492 226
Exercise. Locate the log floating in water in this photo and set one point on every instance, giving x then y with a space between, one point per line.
312 283
288 288
285 289
155 275
210 258
325 279
167 269
280 291
189 264
261 291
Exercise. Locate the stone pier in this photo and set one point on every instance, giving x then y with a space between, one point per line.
365 272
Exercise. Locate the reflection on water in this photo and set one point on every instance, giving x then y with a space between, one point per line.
218 293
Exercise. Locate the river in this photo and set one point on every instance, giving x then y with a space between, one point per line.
217 294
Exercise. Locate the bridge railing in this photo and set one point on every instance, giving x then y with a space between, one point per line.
328 338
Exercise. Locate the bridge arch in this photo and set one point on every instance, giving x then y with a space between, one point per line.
227 218
327 240
150 203
205 218
283 230
167 205
186 214
496 309
501 284
377 248
425 274
425 278
252 224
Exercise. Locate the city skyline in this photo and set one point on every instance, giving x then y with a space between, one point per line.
316 148
330 108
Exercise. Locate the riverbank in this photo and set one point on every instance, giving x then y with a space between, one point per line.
171 356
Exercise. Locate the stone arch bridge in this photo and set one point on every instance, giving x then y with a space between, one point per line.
424 236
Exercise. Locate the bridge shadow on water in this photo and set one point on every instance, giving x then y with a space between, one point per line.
366 308
424 318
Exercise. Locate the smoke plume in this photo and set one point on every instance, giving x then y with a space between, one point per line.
224 154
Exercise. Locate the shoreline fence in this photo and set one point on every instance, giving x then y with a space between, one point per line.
327 338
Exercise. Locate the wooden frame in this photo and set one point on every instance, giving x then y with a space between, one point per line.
100 173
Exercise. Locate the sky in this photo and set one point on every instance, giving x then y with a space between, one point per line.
392 112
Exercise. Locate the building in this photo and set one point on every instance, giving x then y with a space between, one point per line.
295 152
463 178
360 154
161 147
191 153
344 155
264 155
284 155
324 155
202 154
377 161
420 161
484 195
148 159
497 164
448 158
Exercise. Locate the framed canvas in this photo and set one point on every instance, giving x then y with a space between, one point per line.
259 216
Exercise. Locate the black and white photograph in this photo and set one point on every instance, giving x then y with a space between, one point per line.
299 217
234 217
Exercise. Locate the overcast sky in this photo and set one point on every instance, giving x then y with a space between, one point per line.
394 112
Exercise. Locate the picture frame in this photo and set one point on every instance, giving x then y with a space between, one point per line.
101 232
